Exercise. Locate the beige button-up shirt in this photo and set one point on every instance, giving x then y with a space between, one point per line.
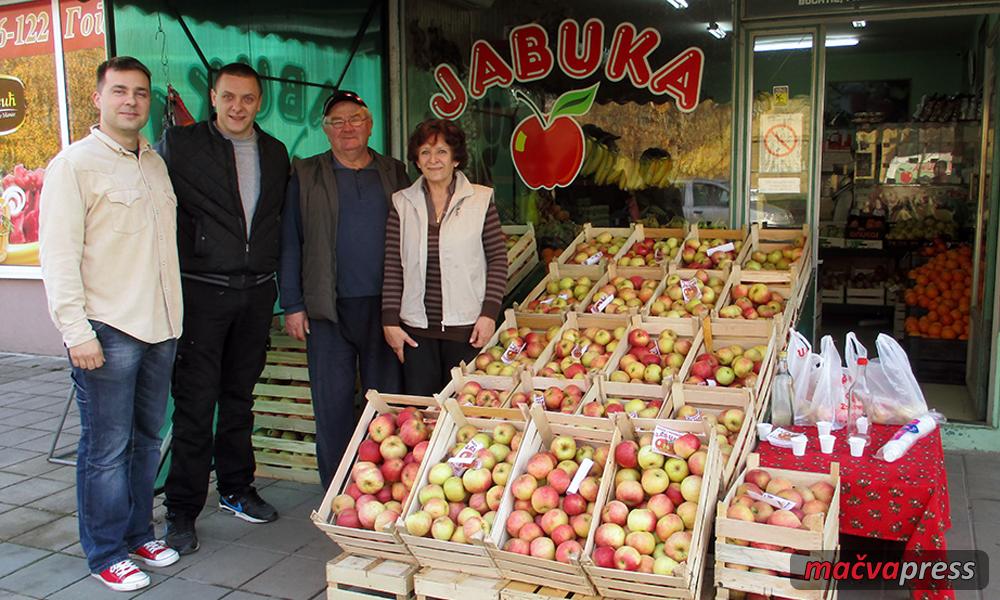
108 233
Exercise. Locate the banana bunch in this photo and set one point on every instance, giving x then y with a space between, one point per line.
20 254
607 167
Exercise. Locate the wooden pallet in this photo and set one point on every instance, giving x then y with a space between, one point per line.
361 577
517 590
439 584
283 402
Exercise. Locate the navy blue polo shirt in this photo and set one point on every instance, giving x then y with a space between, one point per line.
360 231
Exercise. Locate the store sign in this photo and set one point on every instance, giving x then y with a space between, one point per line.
548 150
12 104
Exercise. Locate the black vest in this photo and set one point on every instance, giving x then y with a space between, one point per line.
211 230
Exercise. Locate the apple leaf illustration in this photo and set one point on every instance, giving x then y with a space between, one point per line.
574 102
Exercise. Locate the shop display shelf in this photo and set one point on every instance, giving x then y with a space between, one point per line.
686 581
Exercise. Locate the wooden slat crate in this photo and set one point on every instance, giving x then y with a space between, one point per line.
599 394
813 542
726 594
589 233
768 240
656 274
353 577
654 233
506 386
522 256
283 405
726 235
533 570
363 542
684 328
686 582
580 322
557 272
472 558
536 323
518 590
439 584
791 292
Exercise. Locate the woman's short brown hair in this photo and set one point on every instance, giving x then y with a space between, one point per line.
432 129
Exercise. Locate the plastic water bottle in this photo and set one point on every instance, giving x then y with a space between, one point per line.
859 399
782 394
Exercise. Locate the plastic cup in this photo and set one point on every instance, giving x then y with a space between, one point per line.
862 425
857 446
824 427
826 443
799 445
764 430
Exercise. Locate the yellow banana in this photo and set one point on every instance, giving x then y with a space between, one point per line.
21 254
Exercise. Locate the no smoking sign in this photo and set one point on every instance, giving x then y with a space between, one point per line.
780 140
781 143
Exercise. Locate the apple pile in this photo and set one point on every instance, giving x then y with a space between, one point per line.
621 294
556 399
648 526
731 366
753 302
458 503
644 408
510 240
387 466
776 260
672 304
604 244
727 424
576 352
648 252
559 295
547 520
649 361
696 253
514 347
811 505
474 394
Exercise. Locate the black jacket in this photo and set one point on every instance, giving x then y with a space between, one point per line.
211 229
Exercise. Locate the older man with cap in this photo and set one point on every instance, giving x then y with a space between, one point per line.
333 241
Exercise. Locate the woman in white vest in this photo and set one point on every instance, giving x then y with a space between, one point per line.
445 262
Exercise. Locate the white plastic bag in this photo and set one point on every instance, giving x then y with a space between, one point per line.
802 366
853 350
896 396
829 398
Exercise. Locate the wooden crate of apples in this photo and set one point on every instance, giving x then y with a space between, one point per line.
559 293
678 298
622 290
547 511
734 425
748 308
656 511
776 255
779 518
653 356
596 246
652 247
583 346
376 476
459 489
716 251
599 403
522 252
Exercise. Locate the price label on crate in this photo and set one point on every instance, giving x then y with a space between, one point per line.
775 501
711 382
513 351
579 350
593 259
690 289
602 304
697 416
538 398
565 295
581 474
663 440
465 458
728 247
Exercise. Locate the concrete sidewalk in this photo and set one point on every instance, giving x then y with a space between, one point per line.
40 554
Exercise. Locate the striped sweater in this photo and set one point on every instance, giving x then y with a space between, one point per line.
392 289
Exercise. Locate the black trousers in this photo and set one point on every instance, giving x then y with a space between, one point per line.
427 368
336 352
220 356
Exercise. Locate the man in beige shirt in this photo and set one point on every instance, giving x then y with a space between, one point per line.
107 226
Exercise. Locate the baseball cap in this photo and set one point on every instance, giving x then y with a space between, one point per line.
342 96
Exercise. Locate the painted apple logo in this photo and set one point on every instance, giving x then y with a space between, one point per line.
548 151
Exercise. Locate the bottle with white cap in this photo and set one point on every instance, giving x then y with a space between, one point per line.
859 398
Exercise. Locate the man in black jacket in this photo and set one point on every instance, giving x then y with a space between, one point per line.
230 179
333 243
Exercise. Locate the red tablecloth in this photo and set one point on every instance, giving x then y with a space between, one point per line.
903 501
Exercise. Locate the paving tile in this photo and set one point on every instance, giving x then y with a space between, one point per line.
289 501
5 595
224 527
11 456
981 479
38 464
25 418
231 568
31 489
46 576
284 535
22 519
54 536
320 548
61 473
241 595
67 443
89 588
14 557
10 397
5 507
295 578
17 436
10 478
206 547
74 550
174 588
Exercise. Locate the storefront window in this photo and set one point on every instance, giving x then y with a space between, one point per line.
648 85
32 115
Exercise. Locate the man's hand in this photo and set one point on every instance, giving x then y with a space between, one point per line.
297 325
396 337
482 332
88 355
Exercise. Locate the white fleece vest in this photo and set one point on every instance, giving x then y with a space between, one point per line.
460 249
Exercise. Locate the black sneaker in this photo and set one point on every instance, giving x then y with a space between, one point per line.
181 535
249 506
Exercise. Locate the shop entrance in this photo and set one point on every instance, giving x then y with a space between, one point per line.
896 185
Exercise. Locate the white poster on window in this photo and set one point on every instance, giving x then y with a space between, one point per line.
781 143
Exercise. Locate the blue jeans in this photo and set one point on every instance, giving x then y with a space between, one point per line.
122 409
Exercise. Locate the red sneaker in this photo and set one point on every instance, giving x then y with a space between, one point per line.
156 554
123 576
